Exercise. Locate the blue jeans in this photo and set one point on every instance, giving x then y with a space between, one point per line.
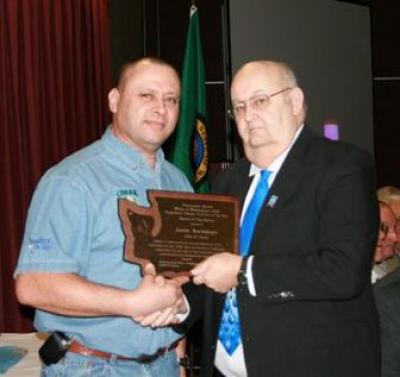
75 365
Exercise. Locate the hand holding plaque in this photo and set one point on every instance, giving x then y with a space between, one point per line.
179 229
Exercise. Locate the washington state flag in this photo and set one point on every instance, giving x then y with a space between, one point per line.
189 150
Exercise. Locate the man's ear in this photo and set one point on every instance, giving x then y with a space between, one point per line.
297 96
113 100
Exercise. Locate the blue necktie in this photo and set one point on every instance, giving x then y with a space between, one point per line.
229 330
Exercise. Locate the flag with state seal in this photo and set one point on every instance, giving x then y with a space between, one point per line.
189 150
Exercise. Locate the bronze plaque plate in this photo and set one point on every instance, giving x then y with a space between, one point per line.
179 229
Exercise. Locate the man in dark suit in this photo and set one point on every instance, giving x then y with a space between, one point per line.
304 297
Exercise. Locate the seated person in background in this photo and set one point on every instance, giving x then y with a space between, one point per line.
387 296
385 247
391 196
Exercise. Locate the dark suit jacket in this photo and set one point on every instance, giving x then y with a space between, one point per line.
387 296
314 313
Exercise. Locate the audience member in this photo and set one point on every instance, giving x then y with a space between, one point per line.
387 294
384 262
391 196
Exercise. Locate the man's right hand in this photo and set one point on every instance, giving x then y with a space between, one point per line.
73 295
161 299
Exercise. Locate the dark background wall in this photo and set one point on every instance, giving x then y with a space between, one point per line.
386 69
328 45
163 34
158 28
126 31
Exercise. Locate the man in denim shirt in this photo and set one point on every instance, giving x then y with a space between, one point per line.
71 267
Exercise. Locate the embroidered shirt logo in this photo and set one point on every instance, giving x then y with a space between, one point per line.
128 194
40 243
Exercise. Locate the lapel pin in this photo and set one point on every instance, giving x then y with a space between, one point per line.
272 201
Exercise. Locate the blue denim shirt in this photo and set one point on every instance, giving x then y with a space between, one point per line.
73 227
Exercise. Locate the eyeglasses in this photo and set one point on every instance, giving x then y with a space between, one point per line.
384 228
258 102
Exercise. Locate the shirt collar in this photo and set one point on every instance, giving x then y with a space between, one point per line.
127 153
275 166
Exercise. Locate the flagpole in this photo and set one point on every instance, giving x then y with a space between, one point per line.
229 129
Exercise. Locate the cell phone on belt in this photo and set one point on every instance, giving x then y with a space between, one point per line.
54 348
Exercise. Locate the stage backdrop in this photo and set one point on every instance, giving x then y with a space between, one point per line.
327 43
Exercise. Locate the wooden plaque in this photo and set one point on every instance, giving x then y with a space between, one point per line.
179 229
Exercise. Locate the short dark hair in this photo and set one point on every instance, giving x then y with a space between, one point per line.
148 59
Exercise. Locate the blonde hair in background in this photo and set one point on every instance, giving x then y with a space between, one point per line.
388 194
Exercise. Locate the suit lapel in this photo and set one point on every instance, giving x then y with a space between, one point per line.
241 182
285 185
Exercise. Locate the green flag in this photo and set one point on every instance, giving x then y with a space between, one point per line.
189 151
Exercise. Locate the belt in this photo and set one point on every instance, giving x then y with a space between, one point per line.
79 348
